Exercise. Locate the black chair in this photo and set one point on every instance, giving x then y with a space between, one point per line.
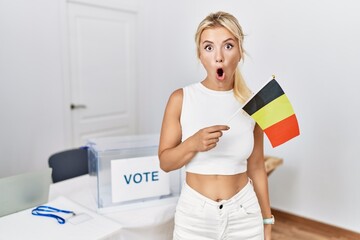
68 164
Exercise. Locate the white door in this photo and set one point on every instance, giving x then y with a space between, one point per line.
102 71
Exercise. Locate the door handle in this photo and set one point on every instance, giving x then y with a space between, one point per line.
77 106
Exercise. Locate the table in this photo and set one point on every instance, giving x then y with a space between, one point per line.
148 222
23 225
271 163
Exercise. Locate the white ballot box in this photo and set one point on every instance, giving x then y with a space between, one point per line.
125 172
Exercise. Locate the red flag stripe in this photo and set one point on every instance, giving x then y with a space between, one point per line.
283 131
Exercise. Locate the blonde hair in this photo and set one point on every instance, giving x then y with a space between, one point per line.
228 21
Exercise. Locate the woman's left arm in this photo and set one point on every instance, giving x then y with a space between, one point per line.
257 173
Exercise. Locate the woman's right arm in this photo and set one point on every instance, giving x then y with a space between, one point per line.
173 153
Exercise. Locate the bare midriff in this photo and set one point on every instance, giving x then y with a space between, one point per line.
217 187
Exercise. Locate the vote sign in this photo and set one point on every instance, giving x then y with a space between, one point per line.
138 178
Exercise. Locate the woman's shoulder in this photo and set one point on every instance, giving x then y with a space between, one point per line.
174 104
177 95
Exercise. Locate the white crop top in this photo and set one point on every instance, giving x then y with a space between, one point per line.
203 107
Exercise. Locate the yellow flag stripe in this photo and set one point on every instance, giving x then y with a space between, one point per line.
275 111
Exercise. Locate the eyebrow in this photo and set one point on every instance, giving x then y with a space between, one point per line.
208 41
229 39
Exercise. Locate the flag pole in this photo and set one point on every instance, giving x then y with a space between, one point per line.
232 117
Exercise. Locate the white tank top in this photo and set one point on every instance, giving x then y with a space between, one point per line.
203 107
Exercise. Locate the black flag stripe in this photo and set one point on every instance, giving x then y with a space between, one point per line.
268 93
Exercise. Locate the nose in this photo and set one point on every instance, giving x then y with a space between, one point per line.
219 57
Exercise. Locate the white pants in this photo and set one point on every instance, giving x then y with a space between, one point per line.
200 218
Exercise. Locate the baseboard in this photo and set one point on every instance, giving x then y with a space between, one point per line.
320 226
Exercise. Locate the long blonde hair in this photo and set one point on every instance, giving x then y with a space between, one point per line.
228 21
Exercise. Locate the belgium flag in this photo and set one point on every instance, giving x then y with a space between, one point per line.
272 111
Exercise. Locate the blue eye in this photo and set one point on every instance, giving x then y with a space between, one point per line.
229 46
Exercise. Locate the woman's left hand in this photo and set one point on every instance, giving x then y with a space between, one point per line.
267 231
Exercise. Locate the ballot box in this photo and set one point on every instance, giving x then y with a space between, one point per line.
125 172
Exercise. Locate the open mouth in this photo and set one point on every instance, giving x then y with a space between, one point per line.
220 72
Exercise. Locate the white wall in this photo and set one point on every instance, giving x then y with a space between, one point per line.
312 47
31 85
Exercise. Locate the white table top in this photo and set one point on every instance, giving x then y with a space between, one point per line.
23 225
147 222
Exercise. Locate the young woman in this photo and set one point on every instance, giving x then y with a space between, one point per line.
225 195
